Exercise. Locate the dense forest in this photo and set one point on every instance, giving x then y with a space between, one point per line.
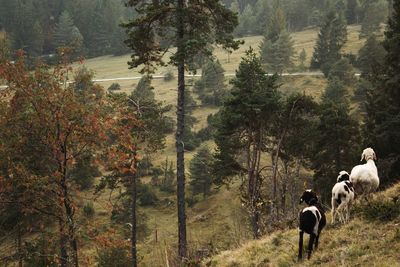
92 26
39 27
96 176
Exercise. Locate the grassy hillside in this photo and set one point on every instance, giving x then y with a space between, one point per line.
114 67
371 238
216 223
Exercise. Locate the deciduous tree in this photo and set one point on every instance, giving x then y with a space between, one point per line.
46 115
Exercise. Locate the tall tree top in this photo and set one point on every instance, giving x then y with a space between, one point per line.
392 40
153 31
277 23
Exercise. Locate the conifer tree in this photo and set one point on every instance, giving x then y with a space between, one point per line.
201 172
382 126
343 71
38 40
194 24
331 38
210 87
371 57
302 58
246 22
291 148
375 13
352 8
63 31
263 11
279 56
242 127
370 61
144 90
277 47
337 126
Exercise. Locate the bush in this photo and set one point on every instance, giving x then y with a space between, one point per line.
84 172
193 200
121 214
343 70
169 125
169 76
35 248
204 134
375 210
207 133
114 256
114 87
88 209
146 195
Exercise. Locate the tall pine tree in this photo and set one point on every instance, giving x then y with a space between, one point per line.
63 30
242 129
210 87
337 141
201 172
190 26
277 46
331 38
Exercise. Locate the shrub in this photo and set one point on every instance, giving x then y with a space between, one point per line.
204 134
114 87
88 209
84 172
114 256
191 201
343 70
169 125
42 246
376 210
169 76
396 236
147 196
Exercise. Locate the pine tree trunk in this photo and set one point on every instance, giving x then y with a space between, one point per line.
294 188
133 212
284 188
180 157
253 190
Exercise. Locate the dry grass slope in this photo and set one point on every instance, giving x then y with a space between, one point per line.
361 242
215 222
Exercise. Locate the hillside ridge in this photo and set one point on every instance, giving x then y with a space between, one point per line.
371 238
